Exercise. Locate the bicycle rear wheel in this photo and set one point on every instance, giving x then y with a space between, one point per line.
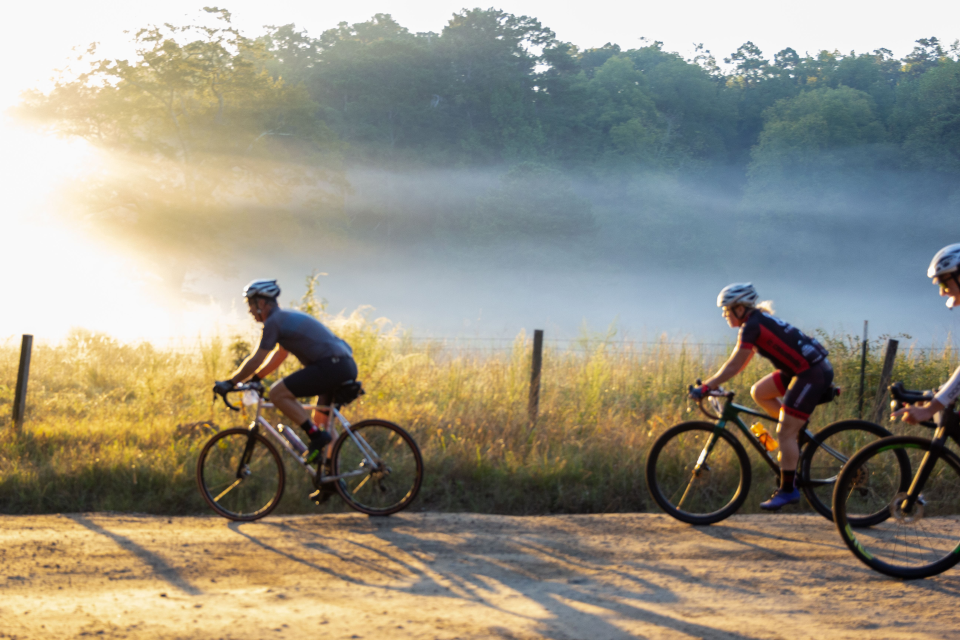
383 486
918 544
822 459
240 474
698 496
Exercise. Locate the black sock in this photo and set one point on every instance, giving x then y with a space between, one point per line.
787 479
310 428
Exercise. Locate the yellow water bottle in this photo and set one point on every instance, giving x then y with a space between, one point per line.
764 436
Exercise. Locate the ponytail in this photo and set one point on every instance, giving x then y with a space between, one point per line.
766 306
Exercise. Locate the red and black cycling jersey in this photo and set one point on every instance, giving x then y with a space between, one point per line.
788 348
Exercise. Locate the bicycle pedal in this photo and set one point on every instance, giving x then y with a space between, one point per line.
321 496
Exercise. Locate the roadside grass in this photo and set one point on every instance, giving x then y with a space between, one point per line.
108 425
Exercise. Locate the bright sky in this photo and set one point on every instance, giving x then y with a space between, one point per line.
45 31
55 266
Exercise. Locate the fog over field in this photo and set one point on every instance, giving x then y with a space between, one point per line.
653 263
480 181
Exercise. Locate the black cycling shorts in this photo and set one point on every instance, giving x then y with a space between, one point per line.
322 377
801 393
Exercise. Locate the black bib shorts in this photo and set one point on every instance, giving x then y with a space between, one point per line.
323 377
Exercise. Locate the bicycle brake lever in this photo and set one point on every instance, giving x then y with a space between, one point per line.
226 402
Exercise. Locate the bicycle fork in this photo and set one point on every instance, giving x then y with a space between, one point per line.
702 461
914 493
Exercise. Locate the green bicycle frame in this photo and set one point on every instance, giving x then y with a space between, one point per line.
731 413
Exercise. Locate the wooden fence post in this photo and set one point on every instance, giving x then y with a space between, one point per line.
880 403
863 371
533 404
23 374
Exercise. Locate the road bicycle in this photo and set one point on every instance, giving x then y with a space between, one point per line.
376 466
921 538
700 473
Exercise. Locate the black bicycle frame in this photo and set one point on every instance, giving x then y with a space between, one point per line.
947 427
731 413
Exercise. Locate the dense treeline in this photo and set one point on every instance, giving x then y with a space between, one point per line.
210 122
493 87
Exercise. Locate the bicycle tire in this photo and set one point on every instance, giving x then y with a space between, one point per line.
819 465
718 496
398 477
240 499
910 546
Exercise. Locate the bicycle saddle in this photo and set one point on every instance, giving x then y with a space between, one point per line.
348 392
829 395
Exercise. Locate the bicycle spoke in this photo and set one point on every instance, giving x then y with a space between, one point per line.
227 490
240 474
362 482
379 446
697 475
911 544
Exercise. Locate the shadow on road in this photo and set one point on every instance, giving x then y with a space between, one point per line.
556 588
158 564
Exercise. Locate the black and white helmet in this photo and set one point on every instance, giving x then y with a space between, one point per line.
262 289
947 260
738 293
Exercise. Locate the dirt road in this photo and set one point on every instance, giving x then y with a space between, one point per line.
453 576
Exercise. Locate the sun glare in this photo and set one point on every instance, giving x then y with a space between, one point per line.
60 275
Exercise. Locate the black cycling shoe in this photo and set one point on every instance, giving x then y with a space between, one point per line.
318 441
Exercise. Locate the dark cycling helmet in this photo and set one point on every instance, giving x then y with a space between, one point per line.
738 293
947 260
261 289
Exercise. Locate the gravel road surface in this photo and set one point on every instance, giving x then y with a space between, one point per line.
426 575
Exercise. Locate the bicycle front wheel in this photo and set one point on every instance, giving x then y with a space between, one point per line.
695 485
382 465
824 457
915 543
240 474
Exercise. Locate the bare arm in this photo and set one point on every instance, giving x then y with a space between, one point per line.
737 361
249 366
276 359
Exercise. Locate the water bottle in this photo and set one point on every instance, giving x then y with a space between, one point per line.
767 440
292 438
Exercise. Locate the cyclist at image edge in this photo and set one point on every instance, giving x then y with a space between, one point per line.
327 361
802 377
945 271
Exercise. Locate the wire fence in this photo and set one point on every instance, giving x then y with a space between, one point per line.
478 345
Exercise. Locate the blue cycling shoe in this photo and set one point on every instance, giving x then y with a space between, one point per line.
781 498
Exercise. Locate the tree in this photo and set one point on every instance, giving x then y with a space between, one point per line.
202 139
696 118
492 57
932 139
815 140
381 89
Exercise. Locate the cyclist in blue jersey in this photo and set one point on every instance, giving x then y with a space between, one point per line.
803 375
327 361
945 271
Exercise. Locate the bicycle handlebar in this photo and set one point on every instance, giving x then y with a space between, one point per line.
713 393
903 396
248 386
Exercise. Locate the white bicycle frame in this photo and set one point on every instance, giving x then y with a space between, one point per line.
371 459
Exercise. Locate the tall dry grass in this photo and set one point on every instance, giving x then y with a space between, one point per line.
102 417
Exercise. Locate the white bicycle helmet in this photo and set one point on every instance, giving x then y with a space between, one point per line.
738 293
947 260
261 289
